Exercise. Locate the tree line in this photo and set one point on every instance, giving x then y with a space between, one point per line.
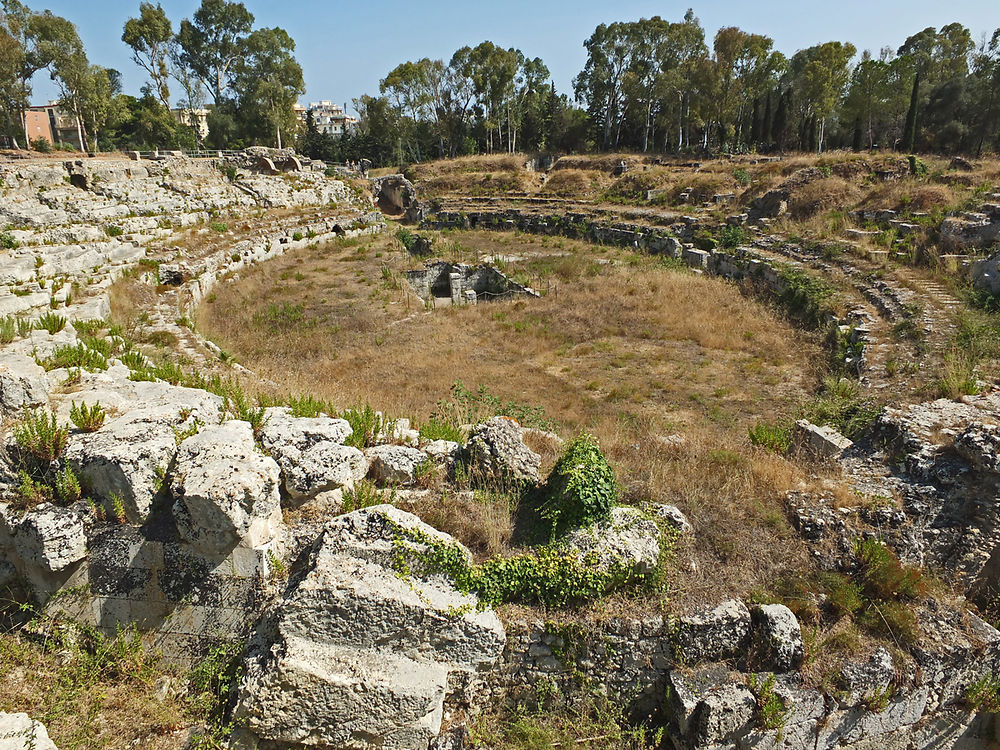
650 85
657 86
250 75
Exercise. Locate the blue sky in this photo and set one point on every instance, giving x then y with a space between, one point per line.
345 48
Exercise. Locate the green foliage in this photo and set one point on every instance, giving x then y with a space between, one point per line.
805 297
581 489
283 317
983 694
296 236
434 429
917 167
471 407
236 401
51 322
773 437
8 329
219 226
134 360
550 576
89 327
7 241
307 406
841 405
67 486
366 426
363 494
771 711
212 681
742 176
731 236
113 230
87 418
42 145
39 435
79 355
883 577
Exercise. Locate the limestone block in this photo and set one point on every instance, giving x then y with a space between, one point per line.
821 442
50 537
394 465
630 539
23 384
226 492
714 634
20 732
496 450
777 637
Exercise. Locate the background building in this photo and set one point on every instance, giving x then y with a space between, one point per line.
329 118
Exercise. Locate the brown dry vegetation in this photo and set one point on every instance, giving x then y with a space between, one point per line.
627 348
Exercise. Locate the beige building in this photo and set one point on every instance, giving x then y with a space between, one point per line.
197 118
328 117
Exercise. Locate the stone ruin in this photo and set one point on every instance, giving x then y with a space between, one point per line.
395 195
446 283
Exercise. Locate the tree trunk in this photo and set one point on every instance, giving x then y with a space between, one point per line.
278 129
910 130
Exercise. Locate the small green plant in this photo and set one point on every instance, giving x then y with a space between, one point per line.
306 406
366 426
24 327
118 508
777 438
434 429
79 355
40 436
113 230
8 329
89 327
581 489
742 176
983 694
771 711
296 236
134 360
219 226
87 418
7 241
67 486
732 236
364 494
42 145
51 322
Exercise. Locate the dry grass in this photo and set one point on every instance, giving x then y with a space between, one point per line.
483 163
822 195
628 349
83 711
575 183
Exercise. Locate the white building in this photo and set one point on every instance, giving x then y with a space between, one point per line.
329 118
193 118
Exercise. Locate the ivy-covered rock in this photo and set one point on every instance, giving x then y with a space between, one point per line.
629 538
581 490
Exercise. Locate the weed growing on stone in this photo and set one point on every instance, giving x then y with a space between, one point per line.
113 230
87 418
773 437
40 436
771 711
8 328
78 355
51 322
983 694
366 426
364 494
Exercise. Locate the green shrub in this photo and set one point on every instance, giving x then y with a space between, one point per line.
742 176
363 494
437 430
51 322
78 355
219 226
24 327
549 576
732 236
777 438
89 327
883 576
134 360
113 230
842 406
296 236
42 145
983 694
581 489
771 711
805 297
307 406
7 241
87 418
39 435
67 486
366 426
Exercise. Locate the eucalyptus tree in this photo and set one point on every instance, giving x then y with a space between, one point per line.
151 37
268 79
213 41
820 75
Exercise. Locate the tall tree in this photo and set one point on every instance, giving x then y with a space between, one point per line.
213 41
151 36
268 79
